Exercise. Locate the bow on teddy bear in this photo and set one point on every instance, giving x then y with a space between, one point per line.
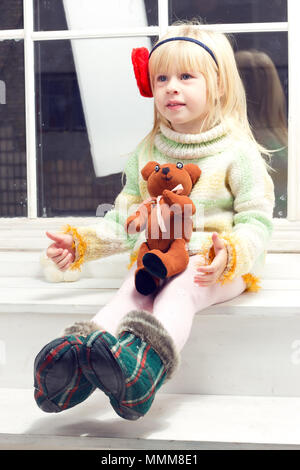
167 218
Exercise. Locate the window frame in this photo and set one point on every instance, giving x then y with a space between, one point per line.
286 235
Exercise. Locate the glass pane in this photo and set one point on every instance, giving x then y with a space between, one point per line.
262 59
89 119
11 14
93 14
228 11
13 183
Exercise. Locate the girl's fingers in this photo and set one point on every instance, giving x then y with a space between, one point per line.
55 237
64 267
61 257
62 264
206 269
204 277
204 280
54 252
203 284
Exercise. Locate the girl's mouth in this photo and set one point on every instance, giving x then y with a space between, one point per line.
175 106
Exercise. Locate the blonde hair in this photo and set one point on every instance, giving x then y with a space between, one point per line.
226 96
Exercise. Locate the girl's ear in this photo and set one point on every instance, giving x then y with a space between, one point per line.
148 169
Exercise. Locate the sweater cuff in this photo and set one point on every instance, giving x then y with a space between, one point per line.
98 241
80 246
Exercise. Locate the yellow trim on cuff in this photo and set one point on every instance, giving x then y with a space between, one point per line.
252 282
80 247
133 258
229 271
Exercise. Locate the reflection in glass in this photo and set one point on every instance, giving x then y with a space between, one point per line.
11 14
93 14
89 119
264 73
13 184
228 11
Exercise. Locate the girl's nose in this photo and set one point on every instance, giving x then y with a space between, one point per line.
172 85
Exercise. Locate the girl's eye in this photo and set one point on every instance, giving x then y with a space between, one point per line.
161 78
185 76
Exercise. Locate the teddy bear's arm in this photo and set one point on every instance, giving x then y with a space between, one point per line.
137 222
180 203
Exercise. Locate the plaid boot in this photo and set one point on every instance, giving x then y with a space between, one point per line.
58 379
131 367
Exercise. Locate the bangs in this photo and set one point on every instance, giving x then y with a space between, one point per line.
178 56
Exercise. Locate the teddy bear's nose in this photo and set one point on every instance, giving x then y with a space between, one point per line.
165 170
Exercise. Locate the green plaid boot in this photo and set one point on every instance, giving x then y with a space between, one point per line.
131 367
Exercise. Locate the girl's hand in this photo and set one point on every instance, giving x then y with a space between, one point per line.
61 251
209 275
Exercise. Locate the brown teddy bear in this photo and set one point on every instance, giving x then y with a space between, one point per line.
167 218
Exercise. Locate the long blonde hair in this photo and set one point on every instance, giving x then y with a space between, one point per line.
226 96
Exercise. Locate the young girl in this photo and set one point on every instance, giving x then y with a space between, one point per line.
133 344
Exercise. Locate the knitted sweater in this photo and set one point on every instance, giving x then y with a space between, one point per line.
234 197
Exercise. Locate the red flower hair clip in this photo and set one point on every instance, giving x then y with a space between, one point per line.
140 60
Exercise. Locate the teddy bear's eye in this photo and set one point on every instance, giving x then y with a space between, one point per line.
156 168
179 165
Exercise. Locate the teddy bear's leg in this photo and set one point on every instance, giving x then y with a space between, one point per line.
144 248
168 264
145 282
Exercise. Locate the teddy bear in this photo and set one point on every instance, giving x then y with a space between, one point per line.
167 219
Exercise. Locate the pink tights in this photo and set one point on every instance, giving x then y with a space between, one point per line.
174 305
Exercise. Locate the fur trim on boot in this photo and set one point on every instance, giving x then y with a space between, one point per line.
150 329
82 328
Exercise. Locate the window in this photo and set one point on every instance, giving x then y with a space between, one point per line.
13 183
229 11
81 160
69 68
262 62
11 14
75 14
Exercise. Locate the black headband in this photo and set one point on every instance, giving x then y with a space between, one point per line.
184 38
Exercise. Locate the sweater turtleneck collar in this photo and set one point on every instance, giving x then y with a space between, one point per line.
192 146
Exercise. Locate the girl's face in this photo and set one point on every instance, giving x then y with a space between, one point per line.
180 97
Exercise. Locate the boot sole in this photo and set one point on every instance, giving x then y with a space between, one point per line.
57 372
103 371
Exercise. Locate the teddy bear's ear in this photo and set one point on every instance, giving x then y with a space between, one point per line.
194 172
148 169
